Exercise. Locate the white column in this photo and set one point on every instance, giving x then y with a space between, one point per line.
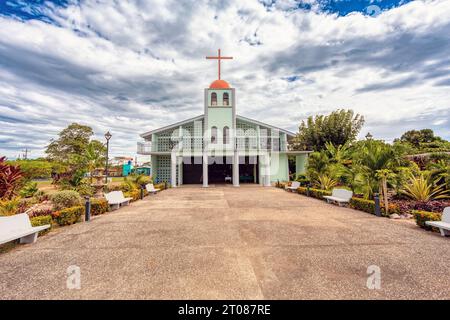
236 169
267 173
205 169
173 170
180 171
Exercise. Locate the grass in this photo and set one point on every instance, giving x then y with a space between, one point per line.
46 186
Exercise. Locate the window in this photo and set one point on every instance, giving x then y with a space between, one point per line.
226 135
214 99
214 135
226 99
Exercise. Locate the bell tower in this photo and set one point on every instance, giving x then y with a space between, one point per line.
219 121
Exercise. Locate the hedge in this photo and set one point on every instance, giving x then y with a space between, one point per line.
41 221
363 205
160 186
99 206
69 216
315 193
422 216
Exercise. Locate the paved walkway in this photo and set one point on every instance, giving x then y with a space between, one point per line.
231 243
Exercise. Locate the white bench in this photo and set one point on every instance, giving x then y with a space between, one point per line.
151 188
19 227
116 199
293 187
444 224
339 196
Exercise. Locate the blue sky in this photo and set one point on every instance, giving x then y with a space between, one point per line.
132 66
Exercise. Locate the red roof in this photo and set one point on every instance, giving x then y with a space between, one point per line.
219 84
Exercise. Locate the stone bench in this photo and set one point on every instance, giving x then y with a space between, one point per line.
116 199
444 224
19 227
339 196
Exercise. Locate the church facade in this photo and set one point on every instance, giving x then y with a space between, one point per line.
220 146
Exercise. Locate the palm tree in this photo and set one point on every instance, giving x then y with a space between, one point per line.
94 156
372 157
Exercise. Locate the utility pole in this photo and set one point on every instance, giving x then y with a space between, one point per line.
25 154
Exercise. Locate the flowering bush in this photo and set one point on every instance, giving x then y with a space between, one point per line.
68 216
99 206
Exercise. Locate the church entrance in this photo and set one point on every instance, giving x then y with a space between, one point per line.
221 170
248 169
192 170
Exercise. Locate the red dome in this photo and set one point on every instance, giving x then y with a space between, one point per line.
219 84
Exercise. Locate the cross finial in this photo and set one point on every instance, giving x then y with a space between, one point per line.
218 58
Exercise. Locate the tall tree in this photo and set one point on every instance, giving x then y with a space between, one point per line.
416 137
94 156
337 128
72 142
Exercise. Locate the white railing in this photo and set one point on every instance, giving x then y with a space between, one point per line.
144 147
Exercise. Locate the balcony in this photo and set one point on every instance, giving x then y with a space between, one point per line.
144 148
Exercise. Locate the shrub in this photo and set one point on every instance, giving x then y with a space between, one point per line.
29 190
422 216
315 193
41 196
99 206
85 189
142 180
281 185
369 206
69 215
41 221
134 194
10 179
302 178
66 199
9 207
40 212
363 205
160 186
128 186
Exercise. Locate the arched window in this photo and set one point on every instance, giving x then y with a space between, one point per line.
214 99
226 135
214 135
226 99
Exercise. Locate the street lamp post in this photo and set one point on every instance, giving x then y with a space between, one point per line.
108 136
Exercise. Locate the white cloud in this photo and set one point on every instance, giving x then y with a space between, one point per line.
132 66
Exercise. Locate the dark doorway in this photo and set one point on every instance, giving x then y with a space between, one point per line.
248 169
192 170
220 171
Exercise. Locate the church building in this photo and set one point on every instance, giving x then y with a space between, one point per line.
221 146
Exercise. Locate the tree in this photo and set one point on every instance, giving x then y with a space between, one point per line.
72 142
416 137
375 160
337 128
94 156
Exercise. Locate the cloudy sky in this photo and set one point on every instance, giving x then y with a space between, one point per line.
133 66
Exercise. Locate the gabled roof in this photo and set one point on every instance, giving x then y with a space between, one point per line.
289 133
174 125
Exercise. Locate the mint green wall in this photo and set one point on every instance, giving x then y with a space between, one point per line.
282 172
300 163
220 96
219 116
